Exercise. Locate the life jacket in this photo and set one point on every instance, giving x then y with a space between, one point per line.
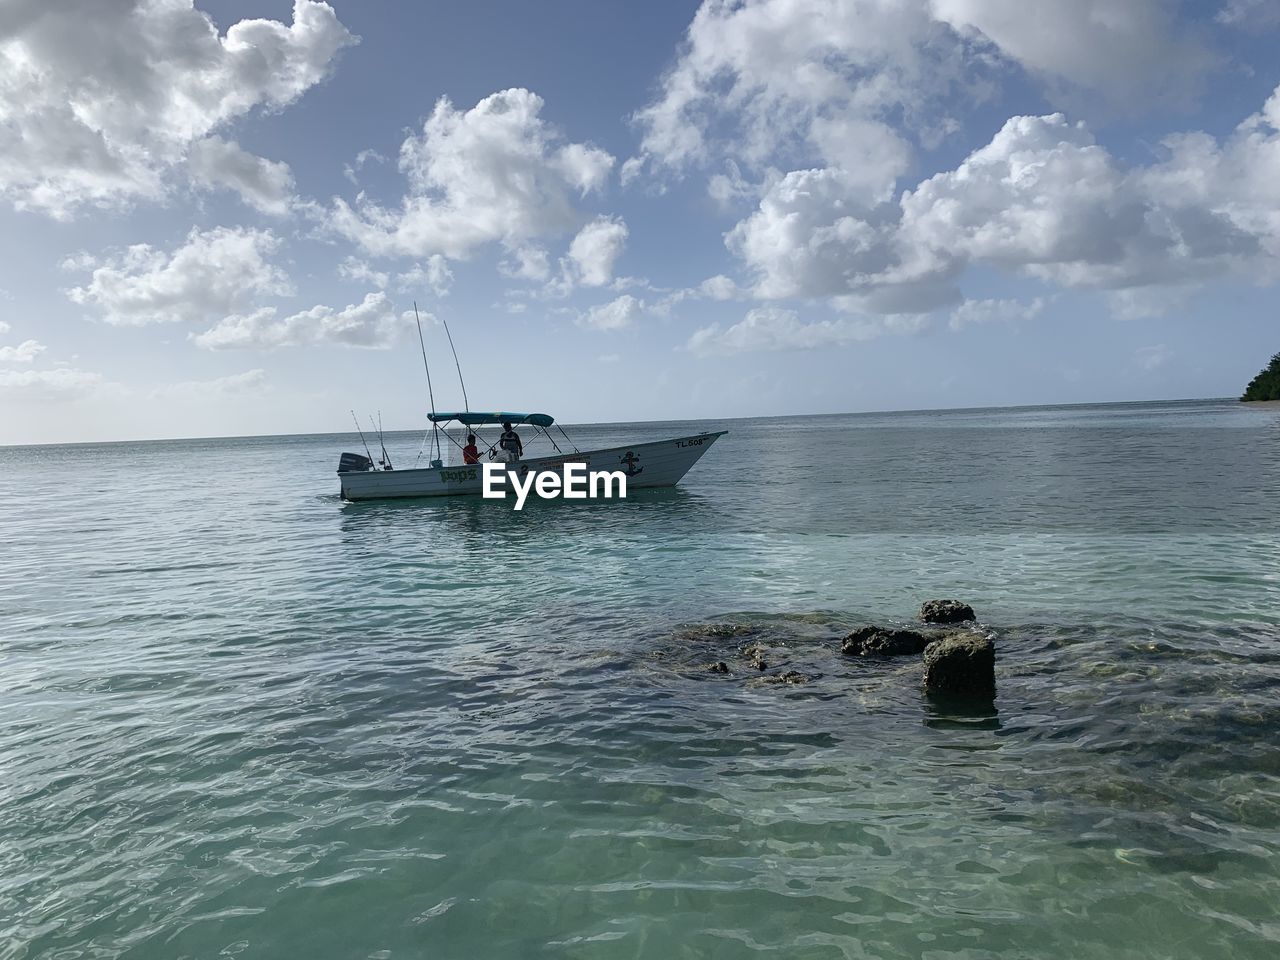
510 440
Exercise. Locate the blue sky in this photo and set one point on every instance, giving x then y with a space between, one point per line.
214 219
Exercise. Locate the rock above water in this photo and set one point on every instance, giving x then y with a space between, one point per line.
962 663
883 642
945 611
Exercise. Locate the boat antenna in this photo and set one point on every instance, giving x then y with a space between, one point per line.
435 427
361 432
425 366
465 406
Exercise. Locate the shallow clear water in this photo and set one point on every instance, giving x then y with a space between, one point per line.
240 717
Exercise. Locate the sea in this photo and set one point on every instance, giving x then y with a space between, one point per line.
240 717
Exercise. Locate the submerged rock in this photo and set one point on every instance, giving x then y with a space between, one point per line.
961 663
718 667
945 611
714 634
872 641
755 653
791 676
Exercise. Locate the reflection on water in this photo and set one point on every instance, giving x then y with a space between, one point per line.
949 711
554 517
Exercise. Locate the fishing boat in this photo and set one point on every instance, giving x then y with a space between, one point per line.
654 463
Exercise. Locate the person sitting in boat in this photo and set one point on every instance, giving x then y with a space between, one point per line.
469 453
509 443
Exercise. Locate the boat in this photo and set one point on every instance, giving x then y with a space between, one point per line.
655 463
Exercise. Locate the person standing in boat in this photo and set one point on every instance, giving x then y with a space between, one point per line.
470 454
509 443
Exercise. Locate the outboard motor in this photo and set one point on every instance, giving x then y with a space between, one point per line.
354 463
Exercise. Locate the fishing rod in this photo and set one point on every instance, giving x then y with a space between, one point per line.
435 427
567 438
361 432
385 462
465 406
385 456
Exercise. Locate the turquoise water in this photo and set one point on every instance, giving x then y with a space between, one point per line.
239 717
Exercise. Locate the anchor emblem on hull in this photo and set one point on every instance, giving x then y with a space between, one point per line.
631 460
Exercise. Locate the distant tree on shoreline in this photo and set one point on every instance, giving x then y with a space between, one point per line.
1266 385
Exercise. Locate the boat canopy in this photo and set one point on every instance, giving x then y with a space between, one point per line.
475 417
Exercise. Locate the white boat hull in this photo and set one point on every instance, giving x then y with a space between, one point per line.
661 463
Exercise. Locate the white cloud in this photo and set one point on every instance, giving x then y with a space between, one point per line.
731 187
496 172
614 315
870 156
718 287
62 383
528 262
221 275
215 273
251 382
1041 199
262 184
595 249
370 323
99 102
773 329
66 383
850 84
584 167
4 327
1250 14
810 239
843 91
25 352
434 274
631 169
1042 196
973 312
1145 303
352 170
78 262
806 80
359 271
1131 52
439 276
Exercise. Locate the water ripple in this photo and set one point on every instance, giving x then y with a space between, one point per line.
273 724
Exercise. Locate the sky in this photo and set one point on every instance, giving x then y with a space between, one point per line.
216 217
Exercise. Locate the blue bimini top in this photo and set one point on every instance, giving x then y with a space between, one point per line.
474 417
